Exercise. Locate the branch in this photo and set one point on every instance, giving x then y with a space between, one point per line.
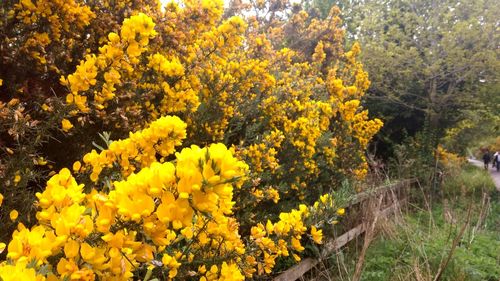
396 101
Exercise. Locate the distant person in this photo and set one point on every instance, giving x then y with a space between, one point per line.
496 161
486 159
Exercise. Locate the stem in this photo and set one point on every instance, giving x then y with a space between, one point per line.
457 239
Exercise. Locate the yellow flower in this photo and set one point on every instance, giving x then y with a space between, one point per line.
66 267
31 244
341 211
18 271
41 161
317 235
62 190
71 249
230 272
172 264
296 245
66 125
13 215
17 178
273 194
76 166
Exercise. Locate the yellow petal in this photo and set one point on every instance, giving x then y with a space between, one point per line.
71 249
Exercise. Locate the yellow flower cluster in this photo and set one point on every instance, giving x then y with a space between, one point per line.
307 104
216 71
115 59
173 218
171 80
169 68
262 157
358 123
153 214
140 149
62 15
48 21
282 238
319 53
297 117
448 159
19 271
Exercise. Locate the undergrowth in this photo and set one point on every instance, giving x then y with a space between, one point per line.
414 245
414 250
470 181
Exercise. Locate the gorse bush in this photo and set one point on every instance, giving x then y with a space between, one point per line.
171 218
238 137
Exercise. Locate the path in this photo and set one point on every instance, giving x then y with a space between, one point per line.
493 172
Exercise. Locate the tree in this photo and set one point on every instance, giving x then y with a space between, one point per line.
430 57
479 125
427 60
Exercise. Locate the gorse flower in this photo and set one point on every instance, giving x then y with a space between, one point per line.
19 271
140 149
317 235
66 125
13 215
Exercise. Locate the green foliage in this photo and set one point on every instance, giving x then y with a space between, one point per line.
410 160
469 181
429 56
480 125
433 66
418 247
414 246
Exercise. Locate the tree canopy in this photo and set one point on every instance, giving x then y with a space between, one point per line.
431 63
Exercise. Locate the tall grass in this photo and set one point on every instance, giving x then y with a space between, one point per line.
415 251
415 245
469 181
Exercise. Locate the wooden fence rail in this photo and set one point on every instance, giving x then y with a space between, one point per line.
298 270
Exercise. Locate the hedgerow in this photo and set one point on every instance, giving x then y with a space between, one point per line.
222 145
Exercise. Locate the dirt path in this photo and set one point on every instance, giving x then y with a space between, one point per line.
493 172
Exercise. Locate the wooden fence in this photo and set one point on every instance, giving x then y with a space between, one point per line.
392 196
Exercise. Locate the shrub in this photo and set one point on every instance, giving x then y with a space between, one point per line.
230 86
168 218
